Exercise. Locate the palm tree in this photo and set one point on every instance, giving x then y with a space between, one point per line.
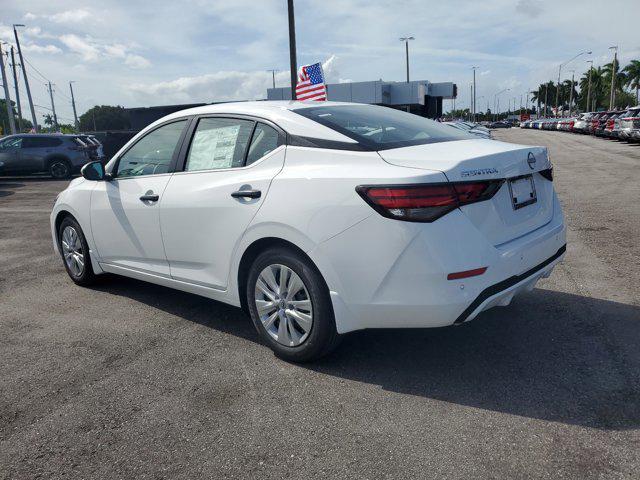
632 72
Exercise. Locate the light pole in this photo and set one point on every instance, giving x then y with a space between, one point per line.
496 101
474 92
273 76
406 49
573 72
560 70
475 117
612 98
586 107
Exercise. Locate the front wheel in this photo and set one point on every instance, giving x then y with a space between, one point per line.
75 252
290 306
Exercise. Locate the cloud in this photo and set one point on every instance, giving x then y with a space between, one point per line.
529 8
220 86
91 50
136 61
66 17
486 72
34 48
82 47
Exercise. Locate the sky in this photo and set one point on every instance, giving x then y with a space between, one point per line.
136 53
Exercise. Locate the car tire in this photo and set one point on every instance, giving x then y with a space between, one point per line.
74 251
59 169
301 331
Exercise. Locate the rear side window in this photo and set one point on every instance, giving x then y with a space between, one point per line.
153 153
265 139
11 143
41 142
380 128
219 143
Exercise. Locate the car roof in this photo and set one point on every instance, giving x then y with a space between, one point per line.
280 112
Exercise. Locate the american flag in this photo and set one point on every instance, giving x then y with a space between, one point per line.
311 83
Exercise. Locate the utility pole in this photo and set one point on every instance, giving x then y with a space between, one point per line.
73 104
26 80
7 98
292 49
589 87
470 101
573 72
474 92
53 108
612 97
15 87
546 95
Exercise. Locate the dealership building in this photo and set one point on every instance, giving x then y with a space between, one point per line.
421 96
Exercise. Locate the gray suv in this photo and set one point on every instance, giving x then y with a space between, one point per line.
58 155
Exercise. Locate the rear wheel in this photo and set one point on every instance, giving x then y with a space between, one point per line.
75 252
290 306
59 169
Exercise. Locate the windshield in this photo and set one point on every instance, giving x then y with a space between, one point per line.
381 128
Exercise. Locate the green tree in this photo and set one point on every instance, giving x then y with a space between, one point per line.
104 117
632 72
4 119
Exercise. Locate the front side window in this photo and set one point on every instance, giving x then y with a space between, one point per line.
380 128
153 153
219 143
265 139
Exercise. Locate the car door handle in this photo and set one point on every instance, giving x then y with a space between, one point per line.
150 197
247 194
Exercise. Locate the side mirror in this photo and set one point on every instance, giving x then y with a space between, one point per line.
93 171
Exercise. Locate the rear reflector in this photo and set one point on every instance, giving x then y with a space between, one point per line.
547 173
467 273
425 202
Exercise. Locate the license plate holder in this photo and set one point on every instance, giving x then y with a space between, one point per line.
523 191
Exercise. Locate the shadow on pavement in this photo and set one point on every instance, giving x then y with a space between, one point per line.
7 187
549 356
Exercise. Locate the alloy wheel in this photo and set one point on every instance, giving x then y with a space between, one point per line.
72 251
59 170
284 305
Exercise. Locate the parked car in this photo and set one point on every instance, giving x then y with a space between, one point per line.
377 218
629 125
58 155
470 128
500 125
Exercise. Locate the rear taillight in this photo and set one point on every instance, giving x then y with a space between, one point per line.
425 202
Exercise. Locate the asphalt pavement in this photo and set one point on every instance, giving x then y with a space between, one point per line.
131 380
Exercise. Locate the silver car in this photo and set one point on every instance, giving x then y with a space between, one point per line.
58 155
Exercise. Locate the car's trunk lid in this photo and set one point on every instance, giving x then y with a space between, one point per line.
471 160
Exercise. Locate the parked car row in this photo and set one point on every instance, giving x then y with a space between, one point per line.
56 154
620 124
470 127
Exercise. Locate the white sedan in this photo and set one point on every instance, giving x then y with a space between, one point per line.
317 219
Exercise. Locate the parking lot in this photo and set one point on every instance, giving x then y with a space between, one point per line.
128 379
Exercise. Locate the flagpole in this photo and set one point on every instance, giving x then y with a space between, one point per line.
292 49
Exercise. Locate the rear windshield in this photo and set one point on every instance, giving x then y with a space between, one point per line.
381 128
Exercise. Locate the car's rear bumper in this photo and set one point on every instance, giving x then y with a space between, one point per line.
388 274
